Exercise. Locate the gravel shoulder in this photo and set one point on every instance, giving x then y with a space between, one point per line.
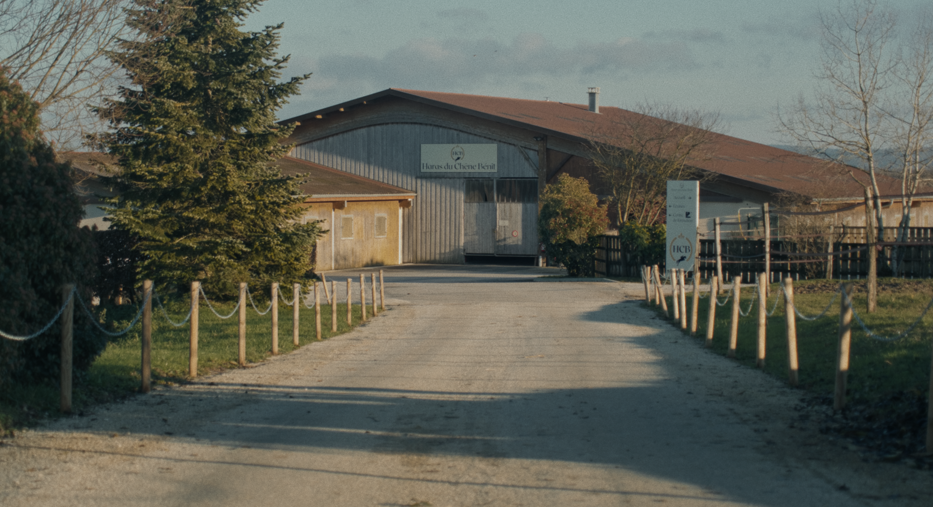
476 388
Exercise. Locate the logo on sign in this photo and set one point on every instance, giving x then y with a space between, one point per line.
457 153
681 249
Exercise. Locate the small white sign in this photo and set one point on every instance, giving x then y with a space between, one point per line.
459 158
683 210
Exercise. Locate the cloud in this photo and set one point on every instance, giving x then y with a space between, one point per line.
697 36
465 14
807 29
453 64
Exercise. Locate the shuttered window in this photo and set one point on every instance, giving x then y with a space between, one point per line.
346 227
382 226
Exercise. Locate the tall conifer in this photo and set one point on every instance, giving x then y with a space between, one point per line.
196 139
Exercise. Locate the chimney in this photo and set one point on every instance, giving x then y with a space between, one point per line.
593 91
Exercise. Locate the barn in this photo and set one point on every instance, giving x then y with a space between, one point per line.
477 165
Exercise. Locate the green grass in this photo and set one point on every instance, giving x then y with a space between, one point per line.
876 368
116 373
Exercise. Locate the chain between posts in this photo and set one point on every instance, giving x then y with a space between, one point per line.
209 305
250 296
285 301
169 319
750 304
825 310
896 337
45 328
93 320
774 307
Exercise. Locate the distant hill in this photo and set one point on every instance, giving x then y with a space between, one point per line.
884 159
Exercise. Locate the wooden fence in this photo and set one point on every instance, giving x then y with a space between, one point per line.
844 259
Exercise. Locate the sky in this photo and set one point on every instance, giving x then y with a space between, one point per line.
742 59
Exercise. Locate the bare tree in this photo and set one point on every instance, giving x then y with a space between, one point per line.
639 151
911 112
57 50
845 120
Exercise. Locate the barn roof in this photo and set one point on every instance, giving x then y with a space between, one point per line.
745 162
324 183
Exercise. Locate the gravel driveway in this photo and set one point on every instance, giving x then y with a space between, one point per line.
479 386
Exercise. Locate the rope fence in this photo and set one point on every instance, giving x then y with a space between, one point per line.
70 294
655 293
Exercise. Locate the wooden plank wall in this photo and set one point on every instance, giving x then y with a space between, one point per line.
391 153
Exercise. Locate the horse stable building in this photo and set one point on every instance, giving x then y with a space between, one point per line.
477 165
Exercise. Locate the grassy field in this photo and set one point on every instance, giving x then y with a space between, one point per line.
116 373
877 369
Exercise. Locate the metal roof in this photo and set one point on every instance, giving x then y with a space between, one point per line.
737 160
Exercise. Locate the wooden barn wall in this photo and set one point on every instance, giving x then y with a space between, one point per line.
391 153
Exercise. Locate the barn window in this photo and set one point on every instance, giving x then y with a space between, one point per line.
479 191
346 227
382 226
517 190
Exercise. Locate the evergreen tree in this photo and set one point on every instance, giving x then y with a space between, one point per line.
196 138
41 247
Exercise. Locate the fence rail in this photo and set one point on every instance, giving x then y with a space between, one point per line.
841 260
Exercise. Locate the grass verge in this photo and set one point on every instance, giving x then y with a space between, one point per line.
116 373
888 381
876 369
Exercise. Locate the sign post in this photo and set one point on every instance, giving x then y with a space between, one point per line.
683 210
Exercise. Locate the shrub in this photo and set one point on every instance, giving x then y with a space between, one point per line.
569 224
41 246
645 242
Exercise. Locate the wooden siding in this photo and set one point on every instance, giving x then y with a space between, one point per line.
391 153
364 248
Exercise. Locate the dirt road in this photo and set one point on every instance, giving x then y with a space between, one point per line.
478 387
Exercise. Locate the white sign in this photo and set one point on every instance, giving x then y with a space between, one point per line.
683 210
459 158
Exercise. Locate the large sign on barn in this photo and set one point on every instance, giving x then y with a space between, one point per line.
683 210
459 158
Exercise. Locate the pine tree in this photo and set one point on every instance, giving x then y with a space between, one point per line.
195 136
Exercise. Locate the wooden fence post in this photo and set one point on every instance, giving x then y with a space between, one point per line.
645 274
829 258
762 317
711 319
682 294
930 411
67 346
718 255
193 332
696 302
275 317
333 306
317 312
736 303
382 291
349 301
241 327
147 338
362 298
675 299
296 307
766 215
373 281
845 343
791 319
324 281
659 292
